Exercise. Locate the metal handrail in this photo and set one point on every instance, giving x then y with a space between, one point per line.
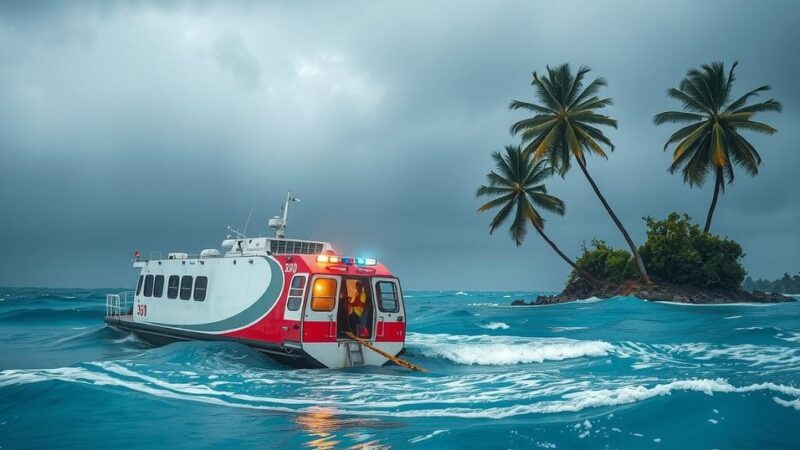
117 304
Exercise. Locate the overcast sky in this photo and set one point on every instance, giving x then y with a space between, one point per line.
137 126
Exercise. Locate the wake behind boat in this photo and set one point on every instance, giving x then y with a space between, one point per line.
295 300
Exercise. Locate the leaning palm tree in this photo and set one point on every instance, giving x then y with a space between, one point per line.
564 127
516 186
711 142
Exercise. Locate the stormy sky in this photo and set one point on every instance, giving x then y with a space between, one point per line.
142 126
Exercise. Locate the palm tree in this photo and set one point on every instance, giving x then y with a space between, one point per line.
564 126
516 186
711 143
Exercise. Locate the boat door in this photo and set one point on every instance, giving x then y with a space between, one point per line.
390 312
319 313
292 314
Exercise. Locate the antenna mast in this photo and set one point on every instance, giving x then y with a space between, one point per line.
280 223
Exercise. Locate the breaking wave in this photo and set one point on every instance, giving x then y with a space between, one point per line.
504 350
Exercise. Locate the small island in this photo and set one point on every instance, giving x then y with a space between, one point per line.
686 265
679 262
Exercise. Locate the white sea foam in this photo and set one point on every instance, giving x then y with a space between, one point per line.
461 293
733 317
467 395
560 329
426 437
693 355
788 403
591 300
505 350
495 326
483 304
790 337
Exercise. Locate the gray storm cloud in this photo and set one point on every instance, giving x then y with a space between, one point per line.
136 126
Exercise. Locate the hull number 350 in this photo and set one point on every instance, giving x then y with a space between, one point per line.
290 267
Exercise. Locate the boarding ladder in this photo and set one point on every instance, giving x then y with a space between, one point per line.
355 354
118 304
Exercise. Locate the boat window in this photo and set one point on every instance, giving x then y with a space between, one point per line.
158 286
200 288
172 287
139 285
387 296
186 287
324 294
296 293
148 286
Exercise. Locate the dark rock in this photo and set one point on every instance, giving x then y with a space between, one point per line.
658 291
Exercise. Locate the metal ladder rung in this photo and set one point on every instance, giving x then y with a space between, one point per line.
357 351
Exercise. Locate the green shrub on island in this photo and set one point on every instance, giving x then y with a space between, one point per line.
677 251
788 284
605 263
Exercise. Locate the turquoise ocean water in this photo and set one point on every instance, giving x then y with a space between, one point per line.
619 373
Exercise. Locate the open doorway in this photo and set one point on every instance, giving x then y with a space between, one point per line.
356 312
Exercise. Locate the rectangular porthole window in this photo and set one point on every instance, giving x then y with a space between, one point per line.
200 285
158 286
324 294
148 286
139 285
186 287
296 293
172 286
388 296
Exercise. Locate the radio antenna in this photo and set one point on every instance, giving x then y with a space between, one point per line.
248 220
280 223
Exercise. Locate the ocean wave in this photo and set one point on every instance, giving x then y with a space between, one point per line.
480 396
504 350
560 329
693 355
50 315
495 326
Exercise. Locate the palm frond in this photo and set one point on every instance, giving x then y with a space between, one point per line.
592 89
769 105
491 191
689 102
758 127
548 202
690 139
532 107
682 133
494 203
741 101
677 117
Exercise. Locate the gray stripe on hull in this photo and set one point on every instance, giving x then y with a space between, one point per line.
250 315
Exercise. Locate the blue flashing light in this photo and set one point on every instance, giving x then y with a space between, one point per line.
360 261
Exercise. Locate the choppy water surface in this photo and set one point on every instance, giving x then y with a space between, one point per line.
619 373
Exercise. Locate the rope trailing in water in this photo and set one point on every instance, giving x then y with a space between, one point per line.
392 358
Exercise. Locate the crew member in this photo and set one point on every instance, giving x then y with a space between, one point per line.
355 308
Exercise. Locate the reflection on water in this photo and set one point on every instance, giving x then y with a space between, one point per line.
323 426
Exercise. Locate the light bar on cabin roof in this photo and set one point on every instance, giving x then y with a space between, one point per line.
349 260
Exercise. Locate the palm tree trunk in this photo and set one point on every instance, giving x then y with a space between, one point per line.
717 184
566 258
634 249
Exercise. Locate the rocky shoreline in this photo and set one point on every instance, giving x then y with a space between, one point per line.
659 291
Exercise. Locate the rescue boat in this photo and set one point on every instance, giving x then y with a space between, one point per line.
291 299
